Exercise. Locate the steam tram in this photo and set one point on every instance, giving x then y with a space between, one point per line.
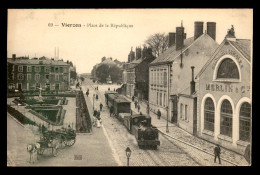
138 125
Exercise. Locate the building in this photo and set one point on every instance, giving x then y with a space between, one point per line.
170 73
224 95
136 73
30 74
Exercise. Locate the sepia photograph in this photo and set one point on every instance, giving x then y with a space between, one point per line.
129 87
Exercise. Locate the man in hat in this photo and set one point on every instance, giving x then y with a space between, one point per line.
217 152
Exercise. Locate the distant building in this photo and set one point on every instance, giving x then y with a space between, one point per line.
30 74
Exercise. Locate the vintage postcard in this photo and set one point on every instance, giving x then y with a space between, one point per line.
129 87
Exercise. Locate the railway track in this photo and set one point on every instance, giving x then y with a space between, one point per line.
155 157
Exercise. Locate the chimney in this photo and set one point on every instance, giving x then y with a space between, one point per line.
14 56
192 83
179 37
171 39
211 29
231 34
198 29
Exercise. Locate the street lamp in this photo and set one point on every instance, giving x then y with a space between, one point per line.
93 101
128 154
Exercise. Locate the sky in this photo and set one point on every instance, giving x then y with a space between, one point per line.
36 32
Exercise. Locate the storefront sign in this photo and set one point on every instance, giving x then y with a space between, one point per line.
227 88
228 52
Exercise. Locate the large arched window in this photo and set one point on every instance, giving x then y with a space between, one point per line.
228 69
226 118
245 122
209 113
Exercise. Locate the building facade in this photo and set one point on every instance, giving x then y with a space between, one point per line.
224 101
30 74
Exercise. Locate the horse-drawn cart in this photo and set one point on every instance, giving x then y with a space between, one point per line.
56 140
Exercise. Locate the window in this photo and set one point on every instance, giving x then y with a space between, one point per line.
226 119
37 68
20 76
37 77
29 76
13 68
47 76
244 122
164 100
186 112
228 69
65 78
52 69
160 99
56 77
64 70
181 106
157 98
29 68
61 69
209 115
157 82
47 69
12 76
57 86
20 68
57 69
165 79
38 85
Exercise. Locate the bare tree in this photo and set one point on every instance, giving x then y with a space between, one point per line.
158 42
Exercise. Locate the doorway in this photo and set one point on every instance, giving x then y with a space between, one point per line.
174 109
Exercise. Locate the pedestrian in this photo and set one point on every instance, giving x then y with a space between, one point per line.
138 107
111 110
217 152
159 114
97 87
135 104
147 109
87 93
133 98
101 106
95 113
109 88
98 115
96 96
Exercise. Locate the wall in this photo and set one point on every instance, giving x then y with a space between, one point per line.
186 124
235 92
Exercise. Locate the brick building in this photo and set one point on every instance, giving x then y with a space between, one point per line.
29 74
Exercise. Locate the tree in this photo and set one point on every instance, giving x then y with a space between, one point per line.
104 70
158 42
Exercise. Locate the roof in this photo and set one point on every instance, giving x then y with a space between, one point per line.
37 62
186 92
243 46
139 115
171 53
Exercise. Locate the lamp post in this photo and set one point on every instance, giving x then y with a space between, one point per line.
93 101
128 154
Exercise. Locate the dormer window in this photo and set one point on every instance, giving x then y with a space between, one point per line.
228 69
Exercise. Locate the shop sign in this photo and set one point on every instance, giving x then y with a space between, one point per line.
228 52
227 88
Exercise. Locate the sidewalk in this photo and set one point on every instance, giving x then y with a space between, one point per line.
183 136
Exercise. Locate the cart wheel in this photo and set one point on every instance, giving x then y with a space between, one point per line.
40 151
62 140
70 142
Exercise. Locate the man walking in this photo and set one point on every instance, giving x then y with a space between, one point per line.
138 107
133 98
87 93
135 104
217 152
159 114
111 110
101 106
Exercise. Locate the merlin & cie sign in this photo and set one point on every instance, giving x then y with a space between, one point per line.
227 88
228 52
